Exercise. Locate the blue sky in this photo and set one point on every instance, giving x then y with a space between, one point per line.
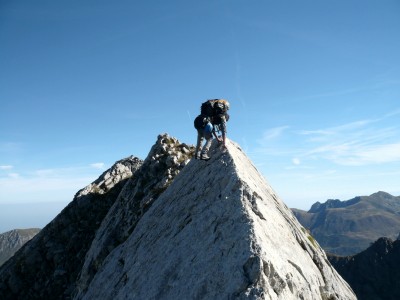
314 88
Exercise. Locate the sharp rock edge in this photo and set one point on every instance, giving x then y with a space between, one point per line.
217 231
165 160
47 266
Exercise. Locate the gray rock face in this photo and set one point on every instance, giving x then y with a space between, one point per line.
47 266
164 161
121 170
218 231
173 227
12 241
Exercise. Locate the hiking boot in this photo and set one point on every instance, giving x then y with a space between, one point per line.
204 156
198 155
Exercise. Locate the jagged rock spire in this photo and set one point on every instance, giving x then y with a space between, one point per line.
165 160
219 231
173 227
48 265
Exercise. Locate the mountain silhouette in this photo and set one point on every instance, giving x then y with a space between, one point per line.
374 273
11 241
349 227
175 228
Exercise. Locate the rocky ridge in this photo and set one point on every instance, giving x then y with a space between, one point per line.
11 241
173 227
47 266
349 227
164 161
374 273
218 231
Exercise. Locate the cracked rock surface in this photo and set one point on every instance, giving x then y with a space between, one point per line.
47 266
173 227
218 231
165 160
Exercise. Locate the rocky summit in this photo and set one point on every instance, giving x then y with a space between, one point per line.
179 228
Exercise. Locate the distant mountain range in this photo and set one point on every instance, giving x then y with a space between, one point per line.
11 241
349 227
373 274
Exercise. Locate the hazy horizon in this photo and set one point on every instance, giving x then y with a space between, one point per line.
39 214
28 215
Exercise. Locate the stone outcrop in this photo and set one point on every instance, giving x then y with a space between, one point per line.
218 231
175 228
164 161
374 273
47 266
11 241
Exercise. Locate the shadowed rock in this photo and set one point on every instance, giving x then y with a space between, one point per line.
174 228
218 231
47 266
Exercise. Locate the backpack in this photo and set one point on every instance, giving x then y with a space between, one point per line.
200 122
214 107
217 120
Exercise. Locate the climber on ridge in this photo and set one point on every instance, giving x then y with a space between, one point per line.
213 117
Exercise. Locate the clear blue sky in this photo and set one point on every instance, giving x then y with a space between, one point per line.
314 88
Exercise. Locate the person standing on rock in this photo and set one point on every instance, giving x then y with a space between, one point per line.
219 124
213 116
205 131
